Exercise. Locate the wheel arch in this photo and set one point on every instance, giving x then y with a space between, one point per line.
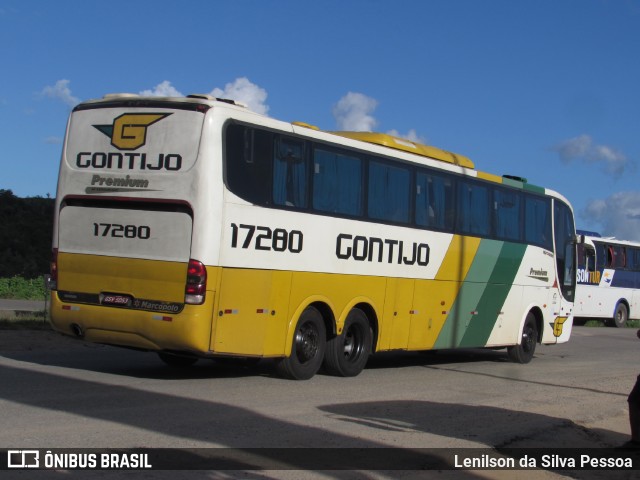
539 316
323 305
372 317
328 316
625 302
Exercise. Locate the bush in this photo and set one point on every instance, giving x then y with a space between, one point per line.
18 288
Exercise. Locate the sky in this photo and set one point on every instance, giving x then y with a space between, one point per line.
548 90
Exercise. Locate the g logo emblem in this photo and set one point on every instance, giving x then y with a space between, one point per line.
129 131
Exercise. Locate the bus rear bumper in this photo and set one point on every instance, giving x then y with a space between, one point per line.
187 331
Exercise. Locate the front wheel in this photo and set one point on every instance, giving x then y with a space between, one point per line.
347 353
307 351
523 353
621 316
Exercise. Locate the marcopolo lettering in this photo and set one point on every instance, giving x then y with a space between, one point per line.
373 249
129 161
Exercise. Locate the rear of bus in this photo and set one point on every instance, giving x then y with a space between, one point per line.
123 271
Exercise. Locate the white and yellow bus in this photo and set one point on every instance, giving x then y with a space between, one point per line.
196 228
608 285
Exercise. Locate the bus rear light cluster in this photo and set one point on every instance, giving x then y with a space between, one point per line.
196 287
53 277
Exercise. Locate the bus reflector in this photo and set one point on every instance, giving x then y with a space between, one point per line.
196 287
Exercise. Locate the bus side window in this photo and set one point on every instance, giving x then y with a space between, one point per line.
337 182
610 256
600 256
289 173
473 209
248 163
621 257
389 189
434 201
507 215
590 260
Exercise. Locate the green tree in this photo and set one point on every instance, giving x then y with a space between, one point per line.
26 225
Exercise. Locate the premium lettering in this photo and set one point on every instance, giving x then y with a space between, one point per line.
120 181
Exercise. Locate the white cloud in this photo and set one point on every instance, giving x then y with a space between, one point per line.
618 215
582 148
163 89
242 90
61 91
410 135
354 112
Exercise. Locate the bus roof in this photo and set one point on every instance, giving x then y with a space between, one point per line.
408 146
590 237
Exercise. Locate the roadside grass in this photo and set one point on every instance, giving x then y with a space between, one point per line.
600 324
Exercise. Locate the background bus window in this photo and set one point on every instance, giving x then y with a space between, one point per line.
473 209
337 183
389 188
601 257
434 201
620 255
507 215
289 174
610 257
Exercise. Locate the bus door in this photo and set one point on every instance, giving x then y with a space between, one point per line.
397 314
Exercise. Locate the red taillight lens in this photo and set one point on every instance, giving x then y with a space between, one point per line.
53 279
196 283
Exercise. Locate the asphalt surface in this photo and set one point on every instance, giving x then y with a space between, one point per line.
58 392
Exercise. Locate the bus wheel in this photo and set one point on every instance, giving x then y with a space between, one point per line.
307 351
347 353
523 353
180 361
621 316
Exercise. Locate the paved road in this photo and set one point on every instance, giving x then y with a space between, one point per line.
57 392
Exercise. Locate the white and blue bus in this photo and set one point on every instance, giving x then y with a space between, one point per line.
608 286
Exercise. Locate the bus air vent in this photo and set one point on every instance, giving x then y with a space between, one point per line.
516 178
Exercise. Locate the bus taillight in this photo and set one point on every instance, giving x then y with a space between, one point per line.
53 279
196 283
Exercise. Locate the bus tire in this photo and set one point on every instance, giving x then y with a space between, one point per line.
307 350
620 316
347 353
523 352
179 361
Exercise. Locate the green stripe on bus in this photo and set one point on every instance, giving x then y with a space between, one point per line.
512 183
534 188
469 295
494 295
